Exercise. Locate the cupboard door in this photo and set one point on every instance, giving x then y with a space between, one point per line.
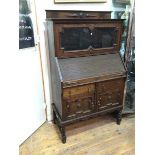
110 94
79 105
78 101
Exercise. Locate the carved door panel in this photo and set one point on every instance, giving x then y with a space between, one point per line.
110 94
79 105
102 101
79 101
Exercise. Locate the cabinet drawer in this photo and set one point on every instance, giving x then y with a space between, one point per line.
66 14
109 100
79 90
110 85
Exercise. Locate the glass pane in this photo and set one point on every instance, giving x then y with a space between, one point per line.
103 37
75 39
83 38
124 11
26 36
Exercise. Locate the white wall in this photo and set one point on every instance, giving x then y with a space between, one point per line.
21 92
30 93
78 6
41 6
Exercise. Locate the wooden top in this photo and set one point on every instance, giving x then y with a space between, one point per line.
92 68
77 14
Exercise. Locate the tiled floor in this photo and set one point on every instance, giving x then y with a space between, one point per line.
92 137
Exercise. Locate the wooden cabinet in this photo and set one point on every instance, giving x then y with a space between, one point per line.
87 73
87 99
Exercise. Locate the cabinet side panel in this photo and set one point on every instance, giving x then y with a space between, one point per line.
49 26
56 85
55 76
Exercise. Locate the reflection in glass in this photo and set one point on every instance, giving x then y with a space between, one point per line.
26 35
83 38
103 37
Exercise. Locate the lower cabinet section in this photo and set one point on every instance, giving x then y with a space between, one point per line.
87 99
90 100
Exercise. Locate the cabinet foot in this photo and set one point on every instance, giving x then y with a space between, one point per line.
54 117
118 117
63 134
57 120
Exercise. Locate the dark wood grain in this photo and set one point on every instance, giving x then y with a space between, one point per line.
74 69
60 25
85 83
78 14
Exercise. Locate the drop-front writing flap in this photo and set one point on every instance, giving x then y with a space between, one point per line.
93 67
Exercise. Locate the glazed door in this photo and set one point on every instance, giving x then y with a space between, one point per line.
86 39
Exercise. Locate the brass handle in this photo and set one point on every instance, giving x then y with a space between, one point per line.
109 97
67 106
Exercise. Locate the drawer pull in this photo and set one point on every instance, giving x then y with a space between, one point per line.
68 106
109 97
92 104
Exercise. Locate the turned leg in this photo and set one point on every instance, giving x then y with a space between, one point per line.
63 134
57 120
119 117
54 117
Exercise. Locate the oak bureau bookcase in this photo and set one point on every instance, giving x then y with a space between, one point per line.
87 73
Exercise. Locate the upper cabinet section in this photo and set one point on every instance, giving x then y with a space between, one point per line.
89 33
